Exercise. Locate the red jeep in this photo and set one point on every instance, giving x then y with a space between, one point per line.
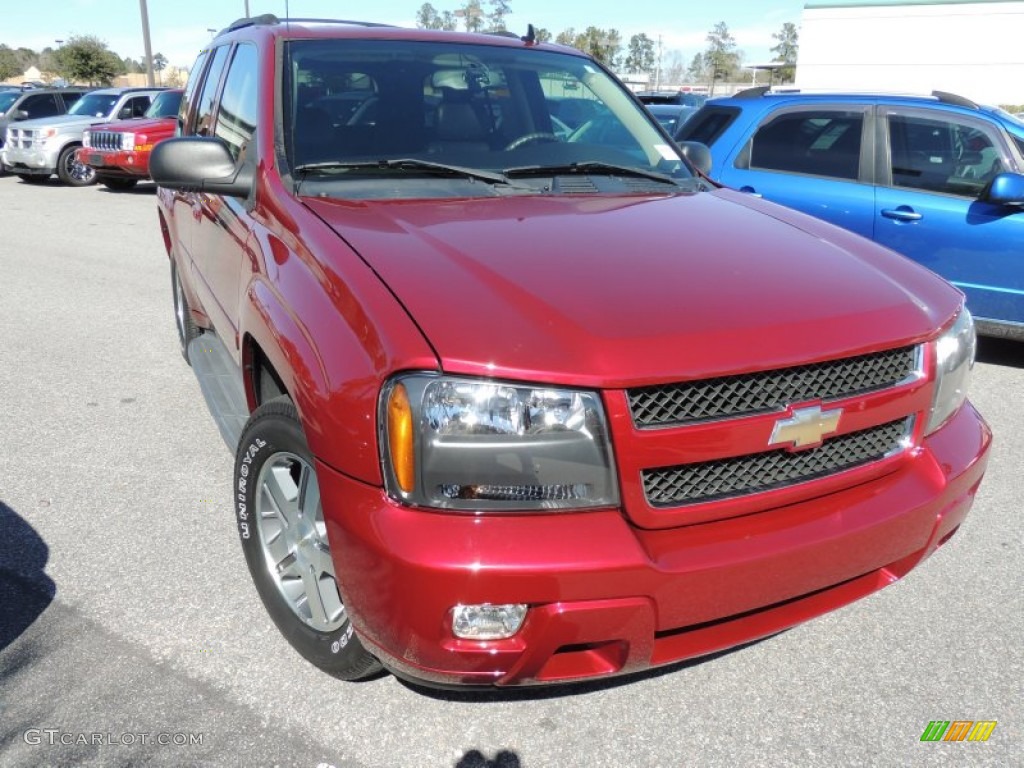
514 405
120 151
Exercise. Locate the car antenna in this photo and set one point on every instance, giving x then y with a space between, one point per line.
531 35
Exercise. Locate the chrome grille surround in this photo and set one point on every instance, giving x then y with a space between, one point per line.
759 472
105 139
725 397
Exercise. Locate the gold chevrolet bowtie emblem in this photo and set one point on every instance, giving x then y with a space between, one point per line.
807 426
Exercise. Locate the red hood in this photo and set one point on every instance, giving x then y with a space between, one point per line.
618 291
151 126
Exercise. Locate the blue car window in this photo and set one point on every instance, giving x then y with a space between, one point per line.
819 142
939 155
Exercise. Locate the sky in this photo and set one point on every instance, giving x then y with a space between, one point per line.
179 28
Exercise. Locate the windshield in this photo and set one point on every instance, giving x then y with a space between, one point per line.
6 99
353 107
94 105
165 104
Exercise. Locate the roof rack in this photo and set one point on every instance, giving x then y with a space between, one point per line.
762 90
752 93
269 19
951 98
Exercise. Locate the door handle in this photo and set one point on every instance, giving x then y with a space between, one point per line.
750 191
903 213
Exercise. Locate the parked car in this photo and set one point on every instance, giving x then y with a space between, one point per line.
671 116
119 151
28 104
36 149
495 422
684 98
938 179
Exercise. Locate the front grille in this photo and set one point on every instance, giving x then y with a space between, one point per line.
105 139
20 139
711 480
766 391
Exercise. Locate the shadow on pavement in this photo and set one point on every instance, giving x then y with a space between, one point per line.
1001 351
25 590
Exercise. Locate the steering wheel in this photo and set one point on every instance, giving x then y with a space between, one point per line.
528 138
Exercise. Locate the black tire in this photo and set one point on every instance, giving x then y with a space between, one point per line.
32 178
280 523
117 184
187 329
72 172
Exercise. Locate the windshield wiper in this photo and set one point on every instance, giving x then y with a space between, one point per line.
589 166
408 164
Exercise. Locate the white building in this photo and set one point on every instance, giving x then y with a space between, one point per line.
974 48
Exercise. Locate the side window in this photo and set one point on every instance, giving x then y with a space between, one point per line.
204 111
190 87
707 125
236 118
70 98
942 155
134 107
41 105
819 143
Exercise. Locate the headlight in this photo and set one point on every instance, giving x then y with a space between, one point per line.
87 139
476 445
128 141
954 359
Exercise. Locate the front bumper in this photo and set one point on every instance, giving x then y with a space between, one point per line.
609 598
127 164
30 161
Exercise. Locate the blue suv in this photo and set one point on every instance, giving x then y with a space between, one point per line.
938 179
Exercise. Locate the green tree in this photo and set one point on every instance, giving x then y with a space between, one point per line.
786 51
499 10
640 56
472 15
697 71
721 59
427 17
9 66
566 37
543 35
86 59
603 45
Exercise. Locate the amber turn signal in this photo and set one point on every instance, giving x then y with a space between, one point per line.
400 439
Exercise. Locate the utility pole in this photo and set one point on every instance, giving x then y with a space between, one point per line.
657 70
150 80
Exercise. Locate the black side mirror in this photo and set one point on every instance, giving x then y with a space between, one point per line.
199 164
698 155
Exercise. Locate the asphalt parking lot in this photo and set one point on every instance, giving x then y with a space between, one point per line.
130 633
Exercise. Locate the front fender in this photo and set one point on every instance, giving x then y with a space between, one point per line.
333 334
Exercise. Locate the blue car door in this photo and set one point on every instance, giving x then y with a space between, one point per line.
927 206
814 158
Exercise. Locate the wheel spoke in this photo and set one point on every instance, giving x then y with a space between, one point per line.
309 494
313 599
283 500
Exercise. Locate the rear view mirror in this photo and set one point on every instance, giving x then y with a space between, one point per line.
1005 189
698 155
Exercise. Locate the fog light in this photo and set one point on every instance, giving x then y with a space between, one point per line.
487 622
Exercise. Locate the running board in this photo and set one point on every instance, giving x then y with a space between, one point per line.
221 383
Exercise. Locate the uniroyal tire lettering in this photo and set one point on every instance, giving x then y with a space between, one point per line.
242 509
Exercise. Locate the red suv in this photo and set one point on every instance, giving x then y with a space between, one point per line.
510 407
119 152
